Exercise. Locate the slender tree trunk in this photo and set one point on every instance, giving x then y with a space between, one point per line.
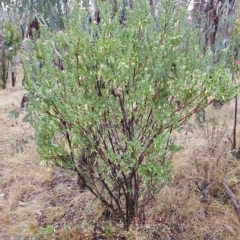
235 125
4 70
13 79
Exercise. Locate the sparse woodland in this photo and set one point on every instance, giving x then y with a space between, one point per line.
119 120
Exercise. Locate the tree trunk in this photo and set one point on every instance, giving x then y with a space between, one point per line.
4 70
13 79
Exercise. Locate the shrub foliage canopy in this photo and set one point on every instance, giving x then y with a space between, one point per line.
105 97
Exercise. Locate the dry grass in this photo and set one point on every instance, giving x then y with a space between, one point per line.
21 177
44 203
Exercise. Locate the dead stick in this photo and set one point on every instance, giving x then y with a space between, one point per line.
233 198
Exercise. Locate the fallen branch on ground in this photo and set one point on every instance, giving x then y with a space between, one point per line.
233 198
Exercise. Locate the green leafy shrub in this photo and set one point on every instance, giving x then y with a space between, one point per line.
109 114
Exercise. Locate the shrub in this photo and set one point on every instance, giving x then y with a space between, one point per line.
108 114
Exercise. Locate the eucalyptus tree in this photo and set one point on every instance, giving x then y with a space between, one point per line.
216 18
28 16
10 43
48 12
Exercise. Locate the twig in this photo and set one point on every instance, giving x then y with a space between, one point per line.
55 50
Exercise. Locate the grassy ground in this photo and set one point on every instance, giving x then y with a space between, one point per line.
39 202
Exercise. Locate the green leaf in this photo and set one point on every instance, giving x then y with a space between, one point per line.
13 114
